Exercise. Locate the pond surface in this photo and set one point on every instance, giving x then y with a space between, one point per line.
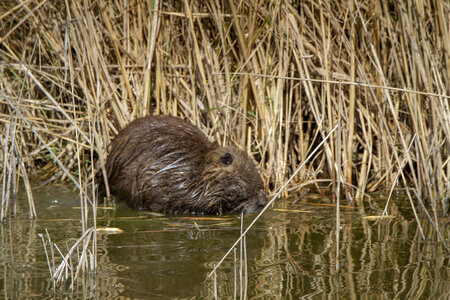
290 253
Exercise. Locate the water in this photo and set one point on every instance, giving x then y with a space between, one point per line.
291 253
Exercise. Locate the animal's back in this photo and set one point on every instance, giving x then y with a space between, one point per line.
151 137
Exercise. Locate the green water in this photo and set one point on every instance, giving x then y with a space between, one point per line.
291 253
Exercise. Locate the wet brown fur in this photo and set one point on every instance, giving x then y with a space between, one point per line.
165 164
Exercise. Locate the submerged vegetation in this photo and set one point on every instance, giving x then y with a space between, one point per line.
274 77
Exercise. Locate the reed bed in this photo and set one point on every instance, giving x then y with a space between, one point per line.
272 77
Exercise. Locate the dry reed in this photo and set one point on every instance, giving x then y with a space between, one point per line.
273 77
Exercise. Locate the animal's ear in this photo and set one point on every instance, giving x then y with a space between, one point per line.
226 159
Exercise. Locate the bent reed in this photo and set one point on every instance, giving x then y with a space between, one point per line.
272 77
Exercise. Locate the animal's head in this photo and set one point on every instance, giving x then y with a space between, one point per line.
232 182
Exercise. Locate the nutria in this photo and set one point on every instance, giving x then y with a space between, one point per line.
165 164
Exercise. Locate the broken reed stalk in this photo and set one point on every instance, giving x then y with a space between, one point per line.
50 260
79 258
87 260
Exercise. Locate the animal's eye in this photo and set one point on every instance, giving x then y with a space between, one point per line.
226 159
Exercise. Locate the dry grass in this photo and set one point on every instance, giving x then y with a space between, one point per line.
275 78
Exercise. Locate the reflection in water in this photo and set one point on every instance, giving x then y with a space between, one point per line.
377 259
290 253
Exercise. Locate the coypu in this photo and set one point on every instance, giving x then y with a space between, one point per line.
165 164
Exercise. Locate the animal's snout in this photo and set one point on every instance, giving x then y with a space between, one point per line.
261 200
